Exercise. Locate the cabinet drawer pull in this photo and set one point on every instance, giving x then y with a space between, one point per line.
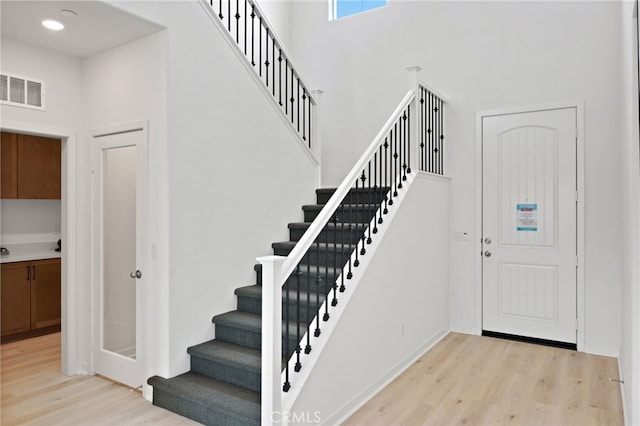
27 273
33 274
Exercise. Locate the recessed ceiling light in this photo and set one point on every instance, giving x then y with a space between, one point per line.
68 12
52 25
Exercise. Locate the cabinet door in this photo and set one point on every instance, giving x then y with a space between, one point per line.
9 165
15 295
45 293
39 167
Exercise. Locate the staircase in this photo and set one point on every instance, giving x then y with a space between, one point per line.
223 385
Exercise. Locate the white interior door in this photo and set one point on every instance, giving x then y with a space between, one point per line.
529 224
120 190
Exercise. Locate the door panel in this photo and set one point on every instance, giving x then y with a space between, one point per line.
529 224
120 212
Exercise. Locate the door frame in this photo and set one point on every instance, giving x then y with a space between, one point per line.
69 334
142 263
578 104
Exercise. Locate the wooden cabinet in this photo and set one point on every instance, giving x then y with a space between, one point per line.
31 167
31 298
16 298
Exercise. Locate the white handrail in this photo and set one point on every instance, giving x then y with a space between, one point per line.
303 245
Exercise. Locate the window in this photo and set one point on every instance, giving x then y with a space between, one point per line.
342 8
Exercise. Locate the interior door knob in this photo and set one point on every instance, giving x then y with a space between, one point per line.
136 274
487 240
487 253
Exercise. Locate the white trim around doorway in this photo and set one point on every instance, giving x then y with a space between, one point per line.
580 299
69 231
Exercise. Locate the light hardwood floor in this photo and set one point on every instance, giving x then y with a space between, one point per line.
472 380
463 380
35 393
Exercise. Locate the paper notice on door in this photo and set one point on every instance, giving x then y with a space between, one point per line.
527 217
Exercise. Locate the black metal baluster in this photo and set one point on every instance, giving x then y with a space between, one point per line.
280 78
326 271
237 21
409 139
422 127
380 187
363 250
309 131
273 70
307 349
390 158
266 57
350 273
298 105
260 46
356 262
298 365
430 131
441 137
253 32
304 115
287 384
387 160
292 99
375 192
318 280
342 240
220 15
245 27
229 15
370 204
286 87
401 151
395 159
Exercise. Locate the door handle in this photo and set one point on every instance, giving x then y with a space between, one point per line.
33 272
487 240
487 253
136 274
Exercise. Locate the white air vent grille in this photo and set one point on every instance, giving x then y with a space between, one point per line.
21 91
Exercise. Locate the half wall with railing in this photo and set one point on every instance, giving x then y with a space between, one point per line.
342 233
249 29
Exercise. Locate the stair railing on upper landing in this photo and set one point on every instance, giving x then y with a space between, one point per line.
249 29
378 175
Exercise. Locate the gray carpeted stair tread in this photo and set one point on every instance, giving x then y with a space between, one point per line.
214 394
255 291
329 226
229 354
289 245
331 271
247 321
353 206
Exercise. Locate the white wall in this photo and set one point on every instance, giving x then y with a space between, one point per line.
630 348
124 85
397 311
63 117
482 56
62 76
236 174
20 217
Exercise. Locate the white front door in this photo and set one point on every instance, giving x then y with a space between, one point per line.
119 218
529 224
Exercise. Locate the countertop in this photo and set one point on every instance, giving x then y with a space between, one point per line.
30 251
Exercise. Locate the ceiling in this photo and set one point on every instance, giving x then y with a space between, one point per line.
97 26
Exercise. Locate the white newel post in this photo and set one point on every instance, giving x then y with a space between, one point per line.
271 399
316 142
414 85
